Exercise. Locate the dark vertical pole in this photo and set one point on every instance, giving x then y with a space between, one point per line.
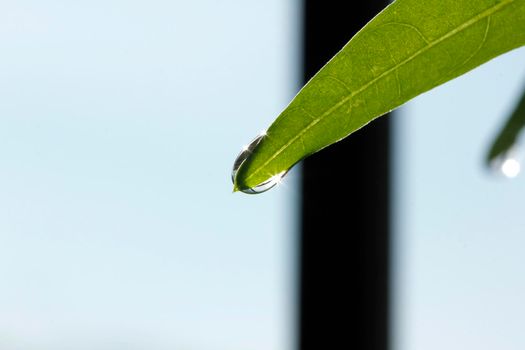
345 209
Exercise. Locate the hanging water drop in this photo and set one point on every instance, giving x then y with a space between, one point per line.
508 164
510 167
266 185
243 155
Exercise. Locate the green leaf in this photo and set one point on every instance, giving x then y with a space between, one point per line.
409 48
508 135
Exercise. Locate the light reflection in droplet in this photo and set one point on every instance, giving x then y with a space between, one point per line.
508 163
243 155
510 167
266 185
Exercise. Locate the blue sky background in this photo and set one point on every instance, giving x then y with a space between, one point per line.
120 121
459 229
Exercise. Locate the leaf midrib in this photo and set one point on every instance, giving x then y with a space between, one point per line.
488 12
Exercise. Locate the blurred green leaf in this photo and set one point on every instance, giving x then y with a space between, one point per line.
409 48
509 133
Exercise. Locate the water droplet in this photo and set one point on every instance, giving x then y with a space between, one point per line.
266 185
511 167
508 164
245 153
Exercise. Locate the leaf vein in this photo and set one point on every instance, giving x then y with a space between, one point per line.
488 12
483 41
336 79
413 27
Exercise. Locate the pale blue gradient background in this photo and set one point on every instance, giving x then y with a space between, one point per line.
119 123
459 231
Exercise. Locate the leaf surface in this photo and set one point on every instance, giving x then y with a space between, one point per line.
407 49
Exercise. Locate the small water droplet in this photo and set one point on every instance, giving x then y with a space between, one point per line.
511 167
266 185
508 164
243 155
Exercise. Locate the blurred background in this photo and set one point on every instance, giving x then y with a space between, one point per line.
120 121
119 124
